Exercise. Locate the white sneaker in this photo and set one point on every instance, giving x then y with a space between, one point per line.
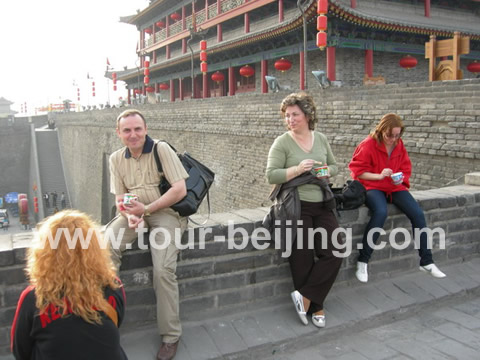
318 320
362 273
433 270
297 299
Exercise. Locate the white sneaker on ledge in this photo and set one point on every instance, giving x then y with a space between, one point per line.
362 273
433 270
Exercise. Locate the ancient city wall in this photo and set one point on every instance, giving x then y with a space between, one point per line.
232 135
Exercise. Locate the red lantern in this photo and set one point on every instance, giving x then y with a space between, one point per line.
474 67
114 87
203 56
321 40
146 80
175 17
164 86
148 30
204 67
283 65
321 23
218 76
146 72
150 89
203 45
146 63
160 24
322 6
247 71
137 91
408 62
114 75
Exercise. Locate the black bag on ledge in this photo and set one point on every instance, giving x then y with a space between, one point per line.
200 178
351 196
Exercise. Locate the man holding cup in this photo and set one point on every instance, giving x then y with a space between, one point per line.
134 177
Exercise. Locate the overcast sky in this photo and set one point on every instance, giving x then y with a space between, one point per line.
47 45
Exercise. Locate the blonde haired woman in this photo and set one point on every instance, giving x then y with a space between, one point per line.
74 303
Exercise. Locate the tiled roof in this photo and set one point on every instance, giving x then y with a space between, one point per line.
408 17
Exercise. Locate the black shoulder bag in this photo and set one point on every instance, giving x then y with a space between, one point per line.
200 178
351 196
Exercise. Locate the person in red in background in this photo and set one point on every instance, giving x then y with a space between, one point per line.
74 303
381 163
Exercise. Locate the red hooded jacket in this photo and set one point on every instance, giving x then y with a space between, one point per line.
371 156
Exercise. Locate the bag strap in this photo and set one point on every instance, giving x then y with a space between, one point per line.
160 169
112 314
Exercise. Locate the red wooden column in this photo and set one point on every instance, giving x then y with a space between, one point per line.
194 23
206 10
167 27
427 8
129 96
184 46
369 62
197 88
247 23
219 26
302 71
167 51
264 72
231 81
172 90
184 20
204 86
180 89
353 4
280 11
331 62
140 47
154 57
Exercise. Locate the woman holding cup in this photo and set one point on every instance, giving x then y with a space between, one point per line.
381 163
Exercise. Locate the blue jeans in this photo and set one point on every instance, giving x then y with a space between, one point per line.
377 203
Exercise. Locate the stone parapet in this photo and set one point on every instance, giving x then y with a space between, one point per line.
221 278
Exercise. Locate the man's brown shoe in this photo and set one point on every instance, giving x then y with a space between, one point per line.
167 351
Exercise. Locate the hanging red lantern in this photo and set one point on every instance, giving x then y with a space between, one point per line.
203 45
114 87
203 56
204 67
175 17
321 40
150 89
283 65
146 80
146 72
474 67
148 30
137 91
146 63
218 77
408 62
321 23
247 71
164 86
322 6
160 24
114 75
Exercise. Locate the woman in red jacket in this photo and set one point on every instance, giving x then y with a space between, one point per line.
381 163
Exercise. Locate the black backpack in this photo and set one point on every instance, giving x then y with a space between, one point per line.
351 196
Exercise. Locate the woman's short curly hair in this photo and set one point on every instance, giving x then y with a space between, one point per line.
305 103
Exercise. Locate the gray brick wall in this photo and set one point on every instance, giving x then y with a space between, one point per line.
220 279
232 135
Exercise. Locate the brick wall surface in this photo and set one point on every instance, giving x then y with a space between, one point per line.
220 278
232 135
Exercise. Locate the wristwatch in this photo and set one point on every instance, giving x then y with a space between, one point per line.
146 211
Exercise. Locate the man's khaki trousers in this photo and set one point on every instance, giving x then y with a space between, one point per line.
162 224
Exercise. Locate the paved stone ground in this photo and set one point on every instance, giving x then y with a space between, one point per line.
412 316
408 316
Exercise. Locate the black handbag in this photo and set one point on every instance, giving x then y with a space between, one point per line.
351 196
200 178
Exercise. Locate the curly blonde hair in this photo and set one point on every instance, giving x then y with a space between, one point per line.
305 103
69 276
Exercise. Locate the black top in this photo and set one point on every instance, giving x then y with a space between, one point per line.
51 337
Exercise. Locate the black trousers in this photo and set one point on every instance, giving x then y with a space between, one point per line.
314 279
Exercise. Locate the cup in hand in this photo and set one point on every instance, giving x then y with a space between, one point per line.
397 177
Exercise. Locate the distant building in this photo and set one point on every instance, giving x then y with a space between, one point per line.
249 39
6 114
